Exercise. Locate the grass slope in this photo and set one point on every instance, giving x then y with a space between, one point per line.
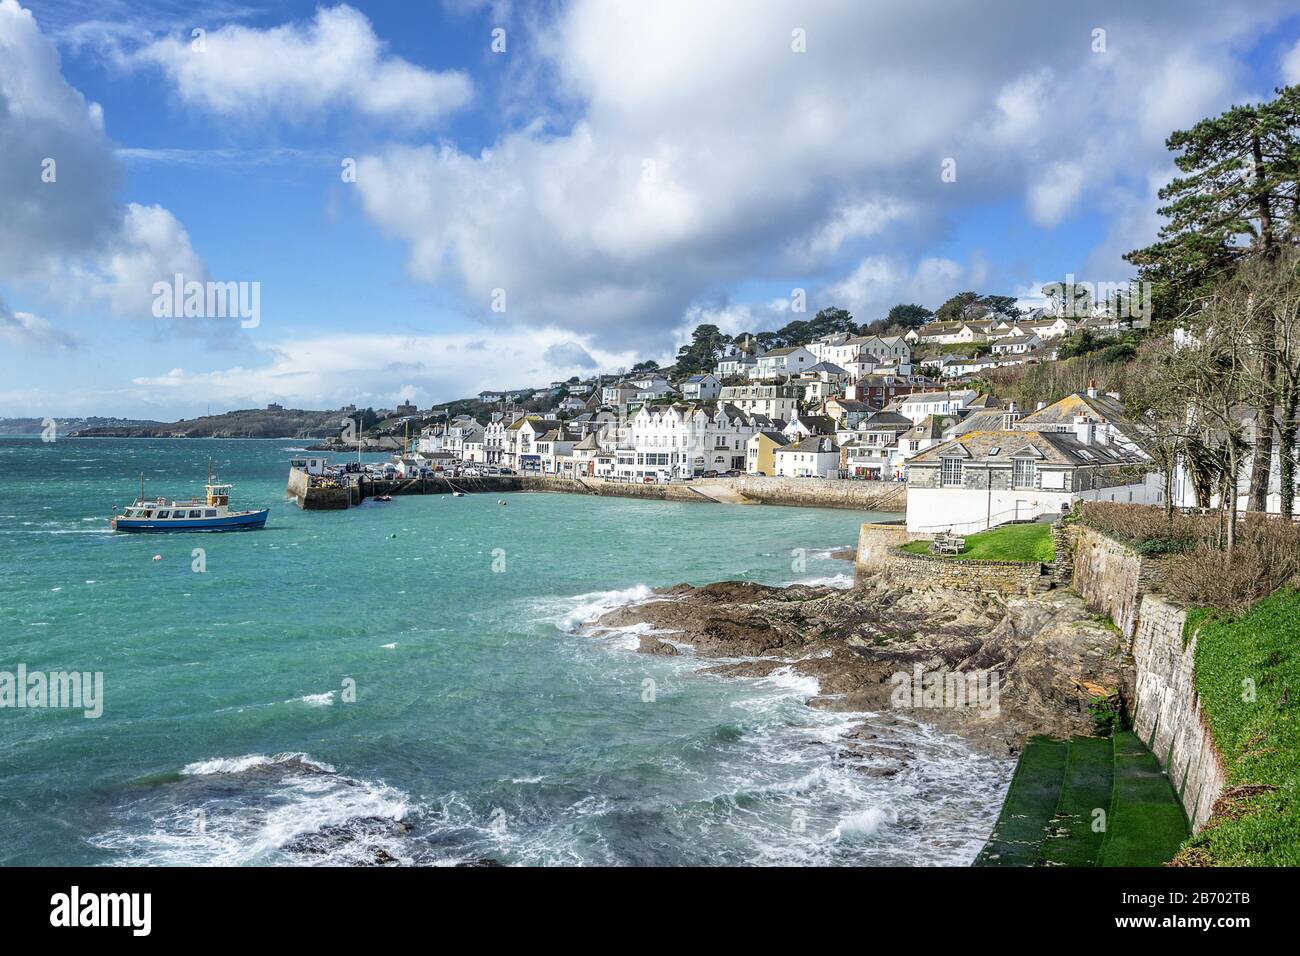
1258 739
1031 801
1146 824
1010 542
1089 775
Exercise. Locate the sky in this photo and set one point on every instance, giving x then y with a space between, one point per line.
429 199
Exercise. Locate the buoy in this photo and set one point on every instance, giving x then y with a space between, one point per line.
157 557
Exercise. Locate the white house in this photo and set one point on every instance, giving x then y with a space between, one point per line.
775 401
737 364
920 405
701 387
666 442
787 361
1016 344
814 457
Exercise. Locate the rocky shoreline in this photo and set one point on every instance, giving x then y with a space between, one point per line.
1046 656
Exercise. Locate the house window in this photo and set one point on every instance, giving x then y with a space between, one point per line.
1022 473
950 472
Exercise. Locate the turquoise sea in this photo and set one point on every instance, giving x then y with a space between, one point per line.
481 727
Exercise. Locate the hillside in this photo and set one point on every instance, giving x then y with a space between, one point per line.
244 423
67 426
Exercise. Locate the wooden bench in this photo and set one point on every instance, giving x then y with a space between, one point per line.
947 544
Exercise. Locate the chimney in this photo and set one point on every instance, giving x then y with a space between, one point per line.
1083 429
1040 406
1101 432
1092 388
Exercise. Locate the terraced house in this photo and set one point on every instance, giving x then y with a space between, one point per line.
666 442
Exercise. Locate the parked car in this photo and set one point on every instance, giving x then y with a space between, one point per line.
709 474
733 472
507 471
472 473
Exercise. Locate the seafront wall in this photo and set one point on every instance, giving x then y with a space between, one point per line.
746 489
1167 710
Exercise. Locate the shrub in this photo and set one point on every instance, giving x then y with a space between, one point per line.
1265 557
1148 529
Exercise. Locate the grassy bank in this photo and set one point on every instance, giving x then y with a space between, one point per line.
1010 542
1248 678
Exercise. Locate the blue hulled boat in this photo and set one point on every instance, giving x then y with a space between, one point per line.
211 513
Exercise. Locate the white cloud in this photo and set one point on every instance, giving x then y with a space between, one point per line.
333 61
706 152
879 282
62 227
1291 65
1054 192
23 330
328 371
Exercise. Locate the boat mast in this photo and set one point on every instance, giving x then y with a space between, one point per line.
142 487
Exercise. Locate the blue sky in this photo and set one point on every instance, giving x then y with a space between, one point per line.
619 173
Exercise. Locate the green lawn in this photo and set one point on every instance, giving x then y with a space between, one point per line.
1010 542
1258 734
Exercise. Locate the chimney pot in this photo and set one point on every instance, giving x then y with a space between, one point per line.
1092 388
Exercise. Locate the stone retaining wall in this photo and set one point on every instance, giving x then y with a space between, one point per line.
1110 576
1167 710
919 572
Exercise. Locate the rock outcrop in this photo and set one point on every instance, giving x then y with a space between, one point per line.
1039 660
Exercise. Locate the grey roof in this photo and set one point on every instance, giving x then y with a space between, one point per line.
815 444
886 419
1054 448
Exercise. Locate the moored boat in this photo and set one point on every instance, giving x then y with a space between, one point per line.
210 513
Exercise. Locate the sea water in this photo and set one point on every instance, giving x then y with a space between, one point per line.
405 682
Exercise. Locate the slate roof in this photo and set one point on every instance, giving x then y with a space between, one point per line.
1052 448
814 445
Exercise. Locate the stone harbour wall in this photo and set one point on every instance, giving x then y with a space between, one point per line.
875 542
1167 711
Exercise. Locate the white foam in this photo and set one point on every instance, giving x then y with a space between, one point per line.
867 823
248 762
586 608
317 700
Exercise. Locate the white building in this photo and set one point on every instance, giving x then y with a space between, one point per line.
667 442
699 388
787 361
920 405
774 401
815 457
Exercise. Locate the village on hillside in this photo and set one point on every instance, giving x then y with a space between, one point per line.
837 406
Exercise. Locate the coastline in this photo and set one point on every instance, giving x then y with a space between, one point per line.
1049 654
